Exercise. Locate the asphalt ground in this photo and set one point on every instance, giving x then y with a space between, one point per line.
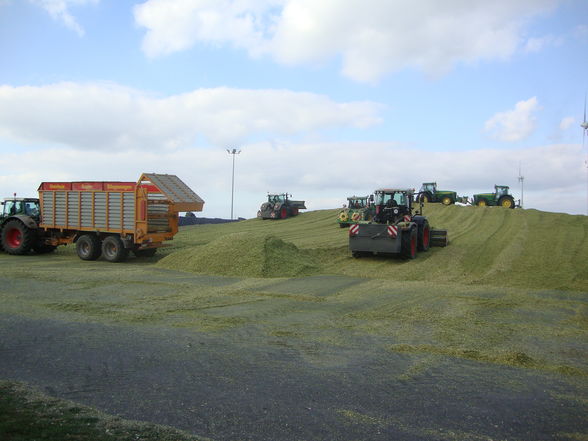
326 357
229 387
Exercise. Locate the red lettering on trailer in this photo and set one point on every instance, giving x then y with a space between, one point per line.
392 231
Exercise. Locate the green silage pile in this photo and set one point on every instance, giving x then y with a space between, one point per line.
488 245
243 254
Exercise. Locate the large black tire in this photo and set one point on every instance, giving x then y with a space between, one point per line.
88 247
424 236
506 202
447 200
148 252
409 244
113 249
17 238
425 197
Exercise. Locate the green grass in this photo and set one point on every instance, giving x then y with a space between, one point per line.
511 289
490 246
27 415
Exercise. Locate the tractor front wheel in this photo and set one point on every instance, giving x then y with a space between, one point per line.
409 244
482 203
424 237
506 202
17 238
113 249
283 213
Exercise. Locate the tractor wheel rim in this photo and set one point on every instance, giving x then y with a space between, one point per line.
426 237
14 237
506 203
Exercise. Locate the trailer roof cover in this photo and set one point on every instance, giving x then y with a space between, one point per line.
178 193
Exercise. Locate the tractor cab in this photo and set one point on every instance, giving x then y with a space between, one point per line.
357 202
430 187
392 204
501 190
277 198
20 206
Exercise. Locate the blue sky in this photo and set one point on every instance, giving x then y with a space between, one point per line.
325 99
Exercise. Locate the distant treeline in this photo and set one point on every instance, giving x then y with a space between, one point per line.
189 220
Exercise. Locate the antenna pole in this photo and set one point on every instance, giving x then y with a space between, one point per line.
521 179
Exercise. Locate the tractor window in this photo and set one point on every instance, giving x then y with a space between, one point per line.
501 191
428 187
12 207
400 198
356 203
387 198
31 208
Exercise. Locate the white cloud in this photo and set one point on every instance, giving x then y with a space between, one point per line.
59 10
516 124
555 175
372 37
111 117
537 44
567 122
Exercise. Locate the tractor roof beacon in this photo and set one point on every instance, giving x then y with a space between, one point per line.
395 229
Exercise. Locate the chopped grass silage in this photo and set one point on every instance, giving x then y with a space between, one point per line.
243 254
488 245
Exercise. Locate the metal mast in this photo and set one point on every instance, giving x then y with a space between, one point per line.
233 152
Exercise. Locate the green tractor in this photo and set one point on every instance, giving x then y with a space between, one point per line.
501 197
429 193
280 206
19 233
358 209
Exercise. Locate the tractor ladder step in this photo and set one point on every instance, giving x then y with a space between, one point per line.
439 238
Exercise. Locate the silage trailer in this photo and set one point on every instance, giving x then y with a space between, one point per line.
102 218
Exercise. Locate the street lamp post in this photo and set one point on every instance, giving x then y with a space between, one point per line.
233 152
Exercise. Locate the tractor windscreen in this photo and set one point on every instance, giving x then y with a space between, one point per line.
357 203
395 198
501 191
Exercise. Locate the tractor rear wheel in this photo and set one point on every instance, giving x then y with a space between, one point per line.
506 202
447 200
408 247
424 237
88 247
17 238
113 249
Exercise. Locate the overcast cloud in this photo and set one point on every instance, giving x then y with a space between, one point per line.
112 117
372 37
555 173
